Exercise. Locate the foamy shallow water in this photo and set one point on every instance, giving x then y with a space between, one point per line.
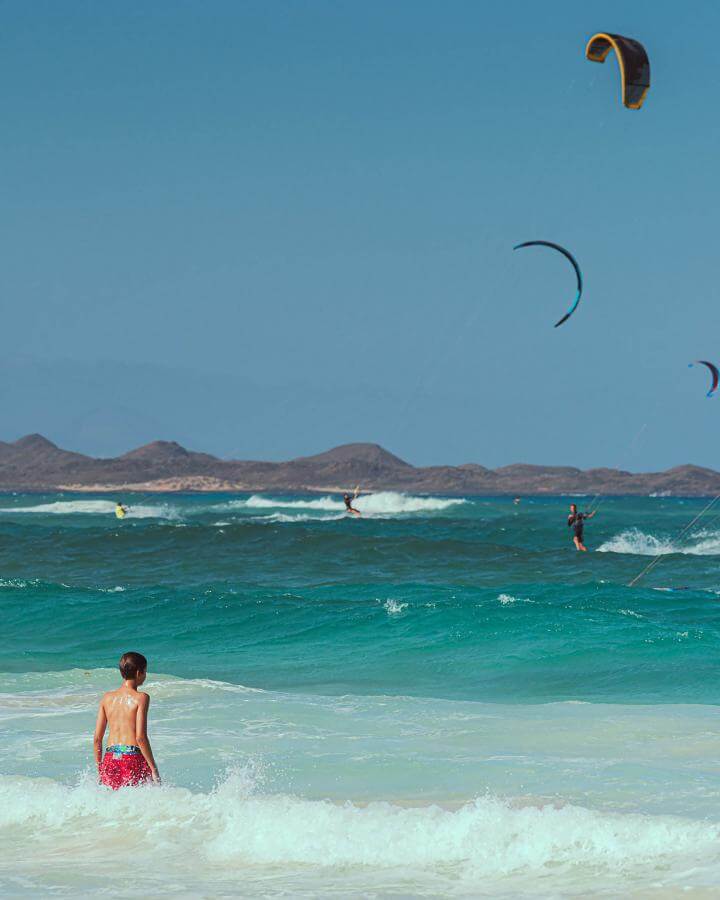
231 841
269 793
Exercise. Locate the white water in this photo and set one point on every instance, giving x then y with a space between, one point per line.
391 503
197 842
383 503
92 507
269 792
258 501
394 607
634 541
386 504
509 600
299 517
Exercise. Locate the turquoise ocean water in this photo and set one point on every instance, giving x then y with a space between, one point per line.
441 697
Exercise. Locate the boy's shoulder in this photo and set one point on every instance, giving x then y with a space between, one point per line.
140 697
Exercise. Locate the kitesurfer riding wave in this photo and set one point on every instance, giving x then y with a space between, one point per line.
576 521
349 500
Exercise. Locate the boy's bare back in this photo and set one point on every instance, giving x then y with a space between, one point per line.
121 709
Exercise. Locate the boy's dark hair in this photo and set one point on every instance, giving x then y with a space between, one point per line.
131 664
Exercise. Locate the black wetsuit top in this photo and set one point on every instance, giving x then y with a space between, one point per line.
577 521
348 501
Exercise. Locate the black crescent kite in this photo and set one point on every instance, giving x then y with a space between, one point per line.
573 262
713 371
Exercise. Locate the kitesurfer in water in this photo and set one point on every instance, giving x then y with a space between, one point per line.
120 510
576 521
349 500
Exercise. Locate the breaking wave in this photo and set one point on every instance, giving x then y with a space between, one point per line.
381 504
638 543
392 503
257 501
509 600
299 517
394 607
235 823
91 507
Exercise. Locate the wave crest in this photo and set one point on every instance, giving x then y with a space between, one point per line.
638 543
91 507
382 503
234 823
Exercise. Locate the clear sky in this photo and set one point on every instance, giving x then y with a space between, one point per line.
266 228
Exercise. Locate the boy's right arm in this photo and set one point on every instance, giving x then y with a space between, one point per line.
141 735
100 726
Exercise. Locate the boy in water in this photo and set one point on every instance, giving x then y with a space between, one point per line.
576 521
128 757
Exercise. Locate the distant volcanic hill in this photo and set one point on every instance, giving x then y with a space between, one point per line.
34 463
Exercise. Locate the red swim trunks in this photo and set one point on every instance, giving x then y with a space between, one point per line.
124 765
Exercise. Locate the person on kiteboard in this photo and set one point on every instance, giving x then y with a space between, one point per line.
576 521
349 500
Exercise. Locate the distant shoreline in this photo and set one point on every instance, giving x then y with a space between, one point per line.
119 491
35 464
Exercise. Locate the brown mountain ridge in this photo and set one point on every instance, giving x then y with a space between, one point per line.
33 463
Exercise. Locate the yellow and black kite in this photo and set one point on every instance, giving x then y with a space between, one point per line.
633 61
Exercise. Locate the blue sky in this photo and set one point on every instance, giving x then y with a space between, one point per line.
265 228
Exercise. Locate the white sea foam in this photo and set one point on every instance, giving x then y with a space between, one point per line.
634 541
92 507
261 832
394 607
508 599
257 501
19 583
487 836
381 504
299 517
235 825
392 503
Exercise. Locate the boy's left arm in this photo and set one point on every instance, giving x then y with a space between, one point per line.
141 735
100 726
